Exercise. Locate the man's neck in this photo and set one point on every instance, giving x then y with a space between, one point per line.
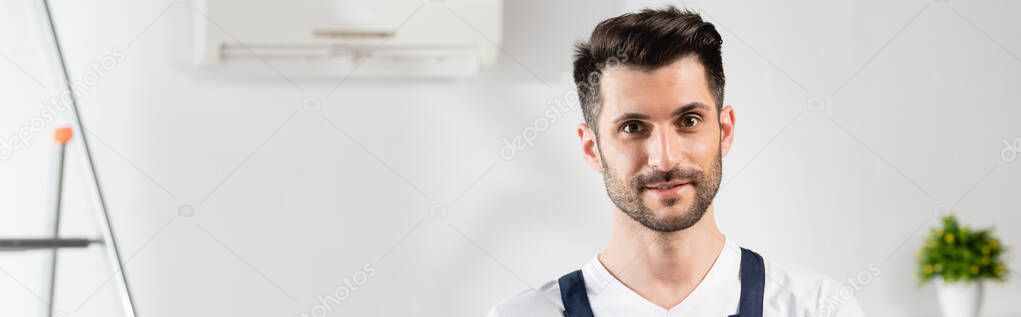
664 268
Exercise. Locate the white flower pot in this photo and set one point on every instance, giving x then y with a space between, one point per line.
959 299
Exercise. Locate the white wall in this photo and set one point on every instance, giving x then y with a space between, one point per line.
286 205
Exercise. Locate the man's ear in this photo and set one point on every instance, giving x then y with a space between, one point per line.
590 147
726 129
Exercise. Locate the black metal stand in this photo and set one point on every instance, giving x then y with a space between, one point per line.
55 242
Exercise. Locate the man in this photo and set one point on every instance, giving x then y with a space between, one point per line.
651 90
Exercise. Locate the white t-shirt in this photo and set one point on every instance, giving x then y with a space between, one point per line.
786 293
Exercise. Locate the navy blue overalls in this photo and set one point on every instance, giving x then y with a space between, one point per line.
753 280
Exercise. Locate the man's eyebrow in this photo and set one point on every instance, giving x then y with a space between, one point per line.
689 107
630 116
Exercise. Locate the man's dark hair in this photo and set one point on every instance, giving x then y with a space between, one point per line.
646 40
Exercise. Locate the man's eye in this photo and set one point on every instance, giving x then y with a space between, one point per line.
690 121
631 127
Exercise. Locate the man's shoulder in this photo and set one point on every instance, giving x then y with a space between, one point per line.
541 301
808 291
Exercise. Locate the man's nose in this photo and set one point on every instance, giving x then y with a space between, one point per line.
663 149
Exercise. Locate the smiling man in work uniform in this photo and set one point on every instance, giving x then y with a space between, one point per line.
651 90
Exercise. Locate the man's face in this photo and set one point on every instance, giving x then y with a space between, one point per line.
660 143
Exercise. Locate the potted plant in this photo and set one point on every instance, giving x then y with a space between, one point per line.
958 260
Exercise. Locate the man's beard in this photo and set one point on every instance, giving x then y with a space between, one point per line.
628 195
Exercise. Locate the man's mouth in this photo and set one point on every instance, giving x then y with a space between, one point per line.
666 185
664 190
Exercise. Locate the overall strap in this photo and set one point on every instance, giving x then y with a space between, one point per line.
753 282
572 292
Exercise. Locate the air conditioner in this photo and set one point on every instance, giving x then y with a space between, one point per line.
348 38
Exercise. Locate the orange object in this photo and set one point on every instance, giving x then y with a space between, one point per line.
62 135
